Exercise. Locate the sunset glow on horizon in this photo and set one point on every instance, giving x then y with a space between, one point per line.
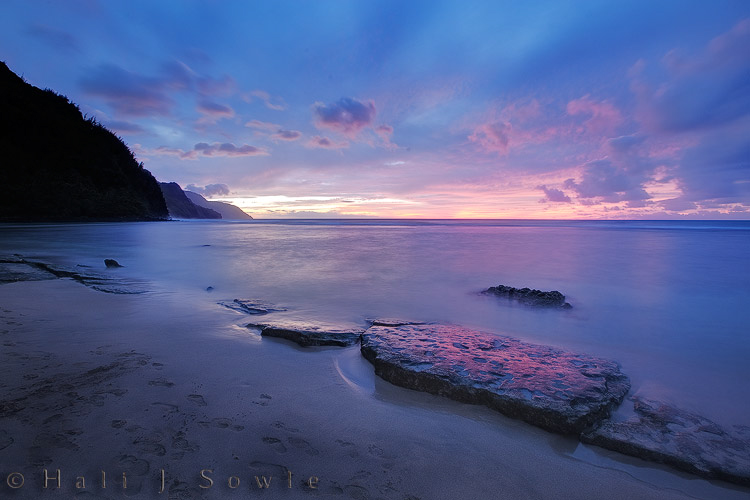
540 110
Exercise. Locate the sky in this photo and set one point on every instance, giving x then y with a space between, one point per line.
414 109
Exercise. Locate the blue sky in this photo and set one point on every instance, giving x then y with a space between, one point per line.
564 109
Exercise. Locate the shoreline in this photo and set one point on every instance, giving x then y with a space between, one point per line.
266 407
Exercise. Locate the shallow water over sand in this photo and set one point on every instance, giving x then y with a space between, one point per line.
665 299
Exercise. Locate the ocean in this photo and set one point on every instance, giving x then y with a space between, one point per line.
668 300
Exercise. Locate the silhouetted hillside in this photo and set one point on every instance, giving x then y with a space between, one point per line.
180 207
57 165
227 210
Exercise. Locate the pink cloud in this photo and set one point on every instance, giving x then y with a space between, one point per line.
257 124
493 137
604 117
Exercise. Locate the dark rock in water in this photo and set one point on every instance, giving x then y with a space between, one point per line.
307 333
662 433
251 306
209 289
111 263
554 389
529 297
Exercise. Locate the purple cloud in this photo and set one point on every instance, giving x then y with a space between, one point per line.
318 142
128 93
214 111
603 180
209 190
553 195
287 135
215 149
228 149
347 116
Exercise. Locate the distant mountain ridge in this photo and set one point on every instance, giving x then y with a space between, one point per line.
227 210
59 165
180 207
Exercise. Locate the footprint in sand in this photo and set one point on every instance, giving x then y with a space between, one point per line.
375 450
282 425
118 424
264 400
197 399
150 446
275 444
350 448
161 382
222 423
356 492
301 444
166 408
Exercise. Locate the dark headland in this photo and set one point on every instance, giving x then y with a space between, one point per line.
59 165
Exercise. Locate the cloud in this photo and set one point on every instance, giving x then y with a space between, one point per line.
128 93
125 127
492 137
603 180
347 116
604 117
717 170
215 149
228 149
271 102
257 124
54 37
325 143
701 91
209 190
213 111
287 135
553 195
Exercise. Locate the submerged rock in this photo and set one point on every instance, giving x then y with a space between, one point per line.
662 433
557 390
20 269
250 306
306 333
529 296
111 263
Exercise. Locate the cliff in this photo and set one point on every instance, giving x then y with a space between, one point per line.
59 165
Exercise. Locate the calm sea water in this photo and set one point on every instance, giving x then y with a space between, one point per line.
669 300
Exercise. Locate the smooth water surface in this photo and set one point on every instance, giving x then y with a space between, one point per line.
668 300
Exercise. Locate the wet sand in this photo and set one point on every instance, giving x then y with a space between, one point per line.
156 386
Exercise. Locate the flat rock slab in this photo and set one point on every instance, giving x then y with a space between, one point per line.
557 390
307 333
251 306
662 433
529 296
11 272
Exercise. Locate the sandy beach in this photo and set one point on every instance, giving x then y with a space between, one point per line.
192 398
